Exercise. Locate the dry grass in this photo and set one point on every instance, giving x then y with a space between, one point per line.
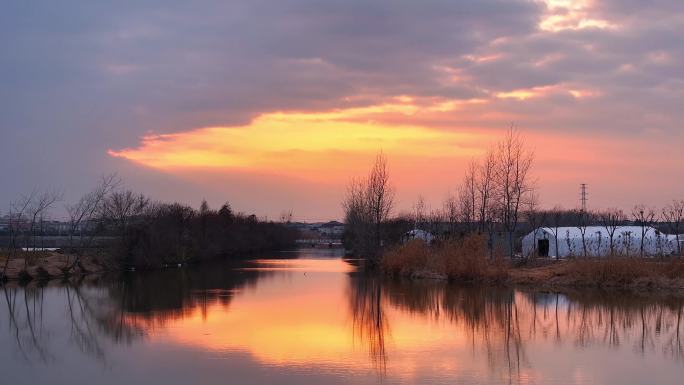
464 260
410 258
467 260
623 271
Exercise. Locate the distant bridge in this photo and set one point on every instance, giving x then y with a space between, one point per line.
329 243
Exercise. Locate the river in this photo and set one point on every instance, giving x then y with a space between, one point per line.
309 317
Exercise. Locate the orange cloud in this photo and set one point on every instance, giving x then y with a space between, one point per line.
304 144
428 141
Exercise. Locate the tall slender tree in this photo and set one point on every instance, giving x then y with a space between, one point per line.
643 216
612 219
513 162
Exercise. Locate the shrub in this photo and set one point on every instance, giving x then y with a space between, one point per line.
464 259
407 259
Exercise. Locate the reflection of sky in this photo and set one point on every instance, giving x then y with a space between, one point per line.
296 328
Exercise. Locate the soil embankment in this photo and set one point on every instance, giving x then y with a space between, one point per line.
45 265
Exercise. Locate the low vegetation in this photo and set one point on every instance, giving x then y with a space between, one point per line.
619 272
468 260
465 260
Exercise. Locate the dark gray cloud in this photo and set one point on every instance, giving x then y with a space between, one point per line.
81 77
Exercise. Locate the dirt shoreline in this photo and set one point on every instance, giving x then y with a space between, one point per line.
556 276
50 265
561 275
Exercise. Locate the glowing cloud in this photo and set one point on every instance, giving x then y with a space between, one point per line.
304 143
571 14
538 92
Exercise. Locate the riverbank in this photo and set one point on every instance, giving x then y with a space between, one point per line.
625 273
468 261
47 265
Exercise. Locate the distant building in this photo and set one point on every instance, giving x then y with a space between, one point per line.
419 234
332 229
626 241
319 230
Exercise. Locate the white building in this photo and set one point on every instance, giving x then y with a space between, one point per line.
419 234
626 241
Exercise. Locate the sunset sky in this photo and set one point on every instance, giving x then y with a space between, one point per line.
274 105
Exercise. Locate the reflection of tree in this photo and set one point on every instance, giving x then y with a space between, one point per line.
117 311
490 316
151 299
95 318
612 319
369 324
88 324
501 322
25 320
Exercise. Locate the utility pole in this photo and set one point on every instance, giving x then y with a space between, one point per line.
583 196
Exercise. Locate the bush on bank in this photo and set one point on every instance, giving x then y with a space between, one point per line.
466 259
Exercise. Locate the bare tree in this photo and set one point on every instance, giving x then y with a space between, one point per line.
419 217
584 219
556 217
367 205
17 220
435 219
644 217
380 195
37 209
612 219
512 176
484 184
120 207
357 217
535 217
85 211
451 211
467 195
120 210
673 216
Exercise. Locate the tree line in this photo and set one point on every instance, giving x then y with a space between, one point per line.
496 197
133 230
491 197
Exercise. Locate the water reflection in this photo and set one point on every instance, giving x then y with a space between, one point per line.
489 317
88 317
369 324
314 319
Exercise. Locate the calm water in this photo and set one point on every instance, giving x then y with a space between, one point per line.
313 320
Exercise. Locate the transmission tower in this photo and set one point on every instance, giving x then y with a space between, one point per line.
583 196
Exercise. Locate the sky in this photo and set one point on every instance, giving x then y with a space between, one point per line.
274 105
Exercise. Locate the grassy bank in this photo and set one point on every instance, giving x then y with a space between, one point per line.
46 265
467 260
618 272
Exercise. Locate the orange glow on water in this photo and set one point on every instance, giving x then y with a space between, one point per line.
329 321
297 319
303 319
